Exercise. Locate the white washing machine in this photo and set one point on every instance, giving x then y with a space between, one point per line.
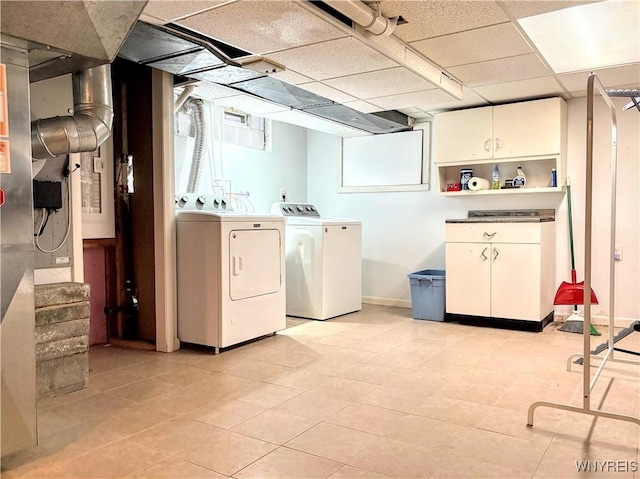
230 276
324 262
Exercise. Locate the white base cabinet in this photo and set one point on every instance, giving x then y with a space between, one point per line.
501 270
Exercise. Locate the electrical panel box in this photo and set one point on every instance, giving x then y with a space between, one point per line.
47 194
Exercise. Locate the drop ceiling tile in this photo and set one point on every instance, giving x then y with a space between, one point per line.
261 27
421 100
434 18
469 99
503 70
521 90
169 11
420 115
616 77
291 77
335 58
527 8
482 44
212 91
362 106
327 92
410 110
380 83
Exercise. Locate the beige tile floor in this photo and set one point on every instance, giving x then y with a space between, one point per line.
369 395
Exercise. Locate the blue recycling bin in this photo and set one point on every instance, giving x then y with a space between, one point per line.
428 294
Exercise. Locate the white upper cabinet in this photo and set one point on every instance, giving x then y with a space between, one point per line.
463 135
531 128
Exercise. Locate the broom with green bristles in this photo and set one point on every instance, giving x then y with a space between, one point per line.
573 293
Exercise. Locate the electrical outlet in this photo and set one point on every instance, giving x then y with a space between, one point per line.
283 194
617 253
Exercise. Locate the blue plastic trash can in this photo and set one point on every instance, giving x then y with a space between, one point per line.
428 294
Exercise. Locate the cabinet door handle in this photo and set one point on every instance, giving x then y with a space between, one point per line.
484 256
495 253
490 235
487 144
498 144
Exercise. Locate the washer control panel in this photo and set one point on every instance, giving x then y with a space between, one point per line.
197 202
295 209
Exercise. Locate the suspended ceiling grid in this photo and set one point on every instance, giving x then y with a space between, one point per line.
479 43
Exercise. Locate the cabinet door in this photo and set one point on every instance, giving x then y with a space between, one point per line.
515 281
463 136
468 282
531 128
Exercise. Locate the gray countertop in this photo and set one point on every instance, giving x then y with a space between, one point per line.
506 216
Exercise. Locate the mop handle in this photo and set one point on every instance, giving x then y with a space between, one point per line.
573 260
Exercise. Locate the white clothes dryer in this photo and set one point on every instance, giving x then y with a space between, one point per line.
230 277
323 262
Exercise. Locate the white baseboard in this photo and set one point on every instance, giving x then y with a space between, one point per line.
399 303
600 320
596 320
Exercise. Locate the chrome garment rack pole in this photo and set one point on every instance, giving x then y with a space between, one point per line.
588 382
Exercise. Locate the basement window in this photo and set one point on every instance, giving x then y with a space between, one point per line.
243 129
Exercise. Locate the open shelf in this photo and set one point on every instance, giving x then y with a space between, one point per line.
537 172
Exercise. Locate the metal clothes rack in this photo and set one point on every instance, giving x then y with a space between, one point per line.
588 382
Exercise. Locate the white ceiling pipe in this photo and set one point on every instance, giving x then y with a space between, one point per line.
183 97
364 16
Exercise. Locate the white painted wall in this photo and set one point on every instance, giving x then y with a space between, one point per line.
261 173
404 232
627 300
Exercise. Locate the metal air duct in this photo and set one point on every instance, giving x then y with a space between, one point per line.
90 125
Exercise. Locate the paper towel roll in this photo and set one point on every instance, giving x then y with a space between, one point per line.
477 184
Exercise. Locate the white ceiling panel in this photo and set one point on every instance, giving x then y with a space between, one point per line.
327 92
335 58
362 106
524 89
290 77
168 11
503 70
617 77
579 38
528 8
479 45
434 18
211 91
261 27
421 100
381 83
469 99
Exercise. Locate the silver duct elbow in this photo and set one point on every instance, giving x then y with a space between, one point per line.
90 125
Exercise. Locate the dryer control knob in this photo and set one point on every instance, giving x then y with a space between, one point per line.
184 199
223 202
216 202
201 200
